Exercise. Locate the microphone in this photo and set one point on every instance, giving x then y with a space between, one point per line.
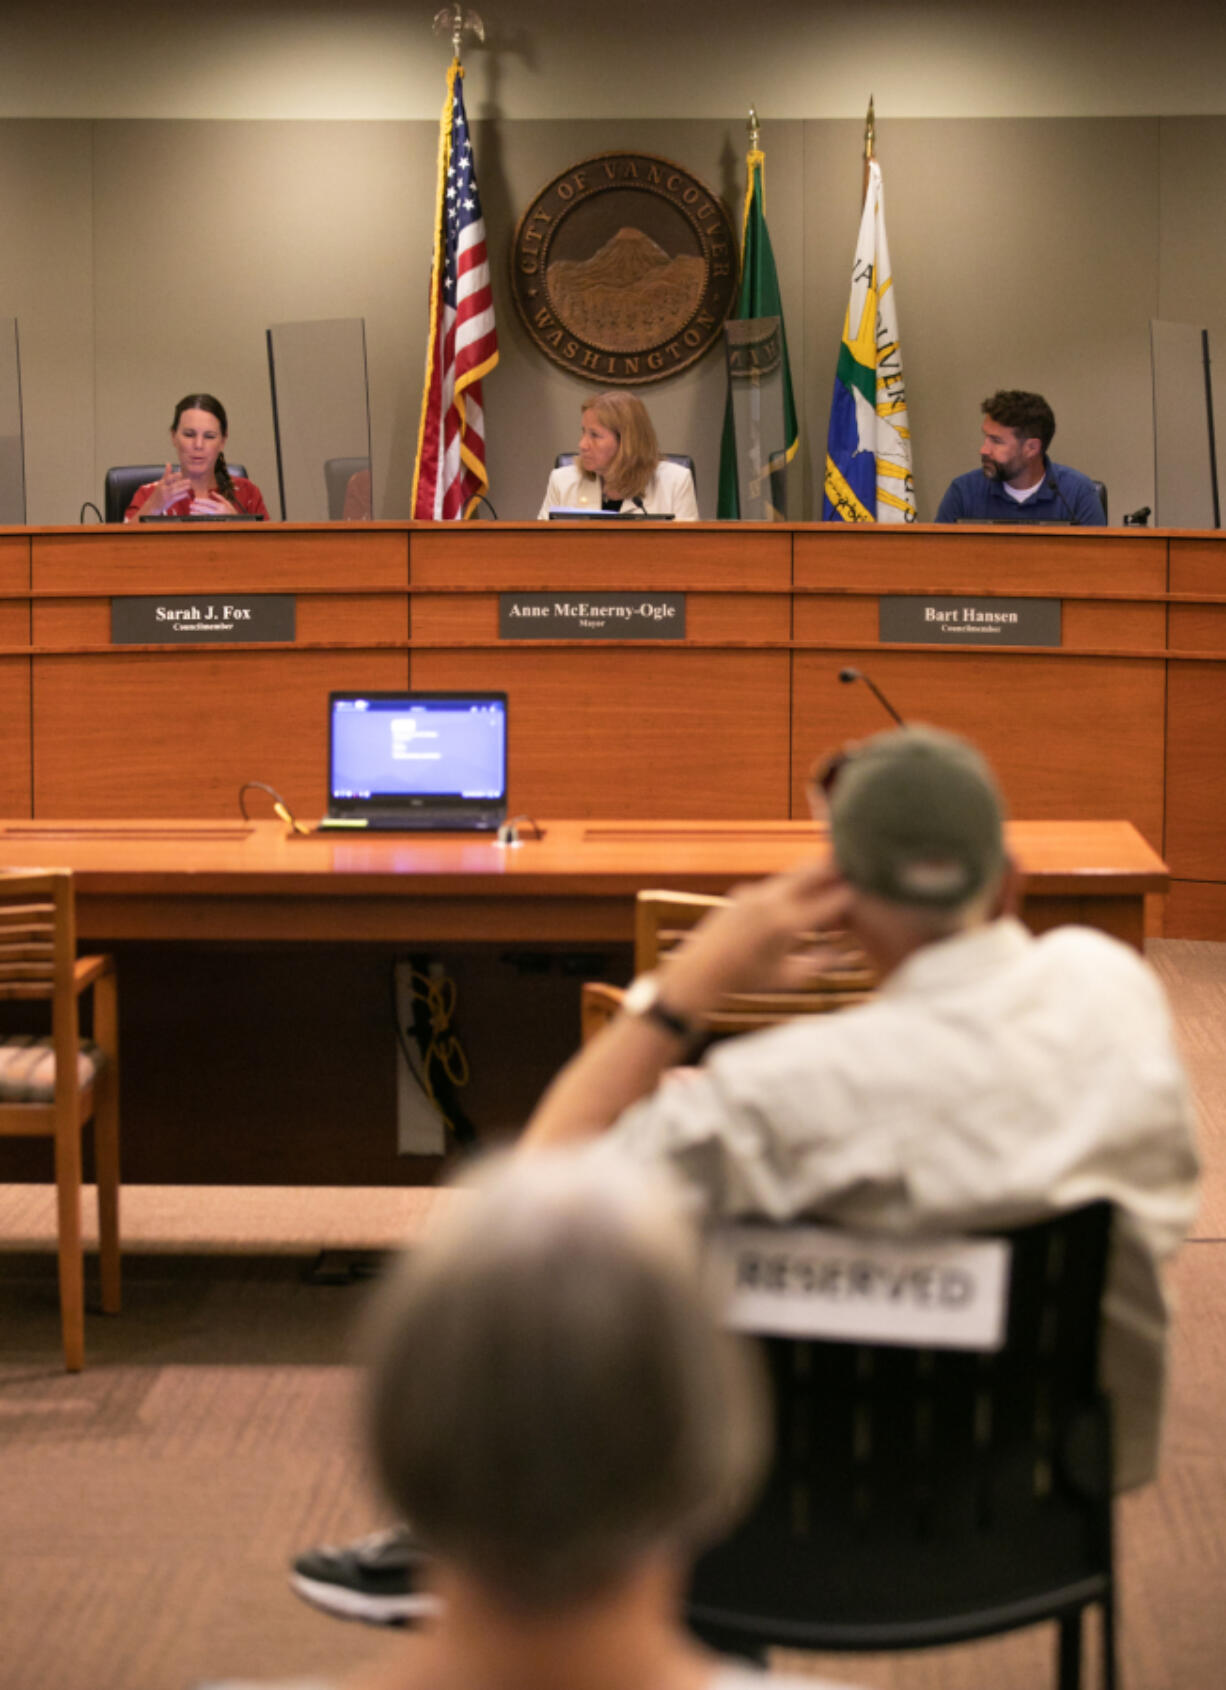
848 675
638 500
1139 518
1055 487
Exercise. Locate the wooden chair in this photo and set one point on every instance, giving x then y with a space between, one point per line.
50 1087
661 922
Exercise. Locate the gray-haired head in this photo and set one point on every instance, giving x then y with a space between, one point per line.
552 1398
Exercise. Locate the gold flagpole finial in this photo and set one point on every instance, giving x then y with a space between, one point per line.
754 130
870 132
453 20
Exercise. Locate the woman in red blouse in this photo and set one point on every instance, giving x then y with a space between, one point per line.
200 484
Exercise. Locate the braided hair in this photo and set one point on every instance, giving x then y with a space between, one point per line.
215 408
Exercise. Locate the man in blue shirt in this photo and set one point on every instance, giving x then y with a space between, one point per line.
1016 480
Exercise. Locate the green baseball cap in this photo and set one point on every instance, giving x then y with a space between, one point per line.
916 817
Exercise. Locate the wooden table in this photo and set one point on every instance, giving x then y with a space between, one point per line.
251 882
255 968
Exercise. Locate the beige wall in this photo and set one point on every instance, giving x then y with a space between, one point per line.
145 255
552 59
207 233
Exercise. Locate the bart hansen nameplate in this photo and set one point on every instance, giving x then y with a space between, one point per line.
191 619
591 616
918 619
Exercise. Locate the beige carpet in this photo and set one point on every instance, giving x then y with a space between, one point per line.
148 1506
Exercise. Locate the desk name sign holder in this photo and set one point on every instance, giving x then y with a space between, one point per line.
205 619
584 616
923 619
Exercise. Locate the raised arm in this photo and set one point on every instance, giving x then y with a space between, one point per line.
758 942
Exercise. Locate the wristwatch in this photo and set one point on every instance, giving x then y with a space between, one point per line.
643 998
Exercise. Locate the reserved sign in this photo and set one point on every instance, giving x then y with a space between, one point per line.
918 619
184 619
816 1282
591 616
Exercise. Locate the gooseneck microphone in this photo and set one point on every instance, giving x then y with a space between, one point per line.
849 675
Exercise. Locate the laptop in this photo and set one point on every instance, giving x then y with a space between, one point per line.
416 762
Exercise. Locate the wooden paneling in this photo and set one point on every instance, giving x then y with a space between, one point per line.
147 735
608 732
600 729
1196 737
15 676
176 732
724 723
1198 566
291 1057
1195 909
1198 563
971 560
258 557
579 555
461 619
1068 737
1086 624
1196 771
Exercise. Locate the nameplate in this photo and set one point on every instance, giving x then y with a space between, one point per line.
193 619
591 616
815 1282
918 619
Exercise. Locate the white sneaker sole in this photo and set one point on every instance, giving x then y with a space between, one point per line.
346 1604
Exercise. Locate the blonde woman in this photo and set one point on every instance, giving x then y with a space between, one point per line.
618 466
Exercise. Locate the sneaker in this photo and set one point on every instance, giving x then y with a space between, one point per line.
376 1579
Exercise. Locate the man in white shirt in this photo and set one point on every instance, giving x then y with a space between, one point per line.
996 1078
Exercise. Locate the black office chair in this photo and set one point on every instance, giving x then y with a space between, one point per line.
925 1497
1100 487
123 481
564 459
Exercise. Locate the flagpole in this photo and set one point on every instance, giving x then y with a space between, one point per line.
450 477
868 446
870 144
754 131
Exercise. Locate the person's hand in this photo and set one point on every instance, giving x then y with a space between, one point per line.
166 492
211 504
763 940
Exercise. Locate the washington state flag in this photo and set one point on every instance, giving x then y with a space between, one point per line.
759 297
868 449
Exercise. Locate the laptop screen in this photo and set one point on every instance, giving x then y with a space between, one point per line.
415 752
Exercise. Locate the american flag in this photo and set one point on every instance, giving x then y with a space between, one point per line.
450 475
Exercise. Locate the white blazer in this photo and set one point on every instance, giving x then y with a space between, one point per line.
670 492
